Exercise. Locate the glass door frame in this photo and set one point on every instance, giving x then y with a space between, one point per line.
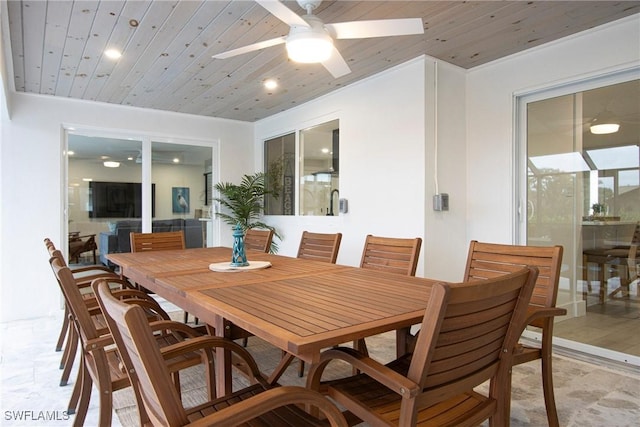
147 140
520 101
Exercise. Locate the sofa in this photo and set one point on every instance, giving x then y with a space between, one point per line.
117 240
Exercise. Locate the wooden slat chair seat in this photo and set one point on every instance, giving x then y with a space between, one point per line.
467 336
100 364
257 404
489 260
321 247
258 240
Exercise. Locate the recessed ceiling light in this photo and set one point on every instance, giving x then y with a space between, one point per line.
270 84
325 150
87 179
111 164
112 53
176 160
71 153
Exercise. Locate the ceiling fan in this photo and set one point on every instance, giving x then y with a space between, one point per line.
311 41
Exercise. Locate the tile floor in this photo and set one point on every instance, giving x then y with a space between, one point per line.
30 391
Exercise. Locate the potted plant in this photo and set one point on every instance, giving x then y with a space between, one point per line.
244 203
599 209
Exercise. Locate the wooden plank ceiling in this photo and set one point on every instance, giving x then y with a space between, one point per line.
57 47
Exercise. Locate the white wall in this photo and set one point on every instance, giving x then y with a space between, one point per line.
387 157
31 182
386 161
490 112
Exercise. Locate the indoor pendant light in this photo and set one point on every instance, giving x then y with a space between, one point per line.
605 123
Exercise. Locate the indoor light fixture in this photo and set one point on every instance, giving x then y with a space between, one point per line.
111 164
309 45
605 123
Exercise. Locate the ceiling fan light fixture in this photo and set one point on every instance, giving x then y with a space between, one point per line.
309 46
604 123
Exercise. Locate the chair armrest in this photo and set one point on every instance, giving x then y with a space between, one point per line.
246 410
98 268
537 314
172 326
99 343
379 372
207 343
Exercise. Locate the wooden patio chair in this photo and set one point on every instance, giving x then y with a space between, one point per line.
100 362
625 260
148 373
488 260
391 255
159 241
80 244
467 336
258 240
67 338
68 332
321 247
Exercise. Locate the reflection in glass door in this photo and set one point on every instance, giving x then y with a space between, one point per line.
583 192
119 185
180 174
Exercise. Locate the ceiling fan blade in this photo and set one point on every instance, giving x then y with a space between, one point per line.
250 48
336 64
283 13
375 28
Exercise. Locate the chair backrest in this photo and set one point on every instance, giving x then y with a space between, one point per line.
161 241
49 245
319 246
395 255
258 240
487 260
74 300
468 335
131 331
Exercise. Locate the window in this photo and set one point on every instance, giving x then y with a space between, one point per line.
318 171
279 165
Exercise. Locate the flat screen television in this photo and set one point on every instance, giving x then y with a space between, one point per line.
118 199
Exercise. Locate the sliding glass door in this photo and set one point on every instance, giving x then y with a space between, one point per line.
580 188
117 185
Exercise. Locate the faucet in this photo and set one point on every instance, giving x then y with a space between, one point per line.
330 211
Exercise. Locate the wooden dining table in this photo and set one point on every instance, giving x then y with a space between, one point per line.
298 305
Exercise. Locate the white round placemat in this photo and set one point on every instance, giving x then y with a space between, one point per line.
227 267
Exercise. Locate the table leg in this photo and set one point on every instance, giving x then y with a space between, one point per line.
224 384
